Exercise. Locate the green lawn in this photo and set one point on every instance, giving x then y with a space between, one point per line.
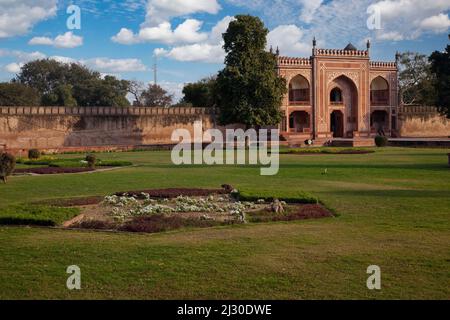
393 206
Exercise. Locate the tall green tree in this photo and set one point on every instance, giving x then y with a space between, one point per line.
249 89
201 94
416 79
440 66
17 94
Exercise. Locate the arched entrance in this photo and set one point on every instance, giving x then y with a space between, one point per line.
337 124
343 94
300 121
379 122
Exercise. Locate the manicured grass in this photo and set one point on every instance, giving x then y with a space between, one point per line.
326 150
36 215
393 207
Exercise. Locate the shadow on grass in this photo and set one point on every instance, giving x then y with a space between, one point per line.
394 193
431 167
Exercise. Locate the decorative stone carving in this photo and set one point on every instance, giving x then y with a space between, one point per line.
354 75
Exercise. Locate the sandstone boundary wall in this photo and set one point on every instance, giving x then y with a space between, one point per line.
422 122
59 129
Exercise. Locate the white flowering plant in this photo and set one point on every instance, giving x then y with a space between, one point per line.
125 207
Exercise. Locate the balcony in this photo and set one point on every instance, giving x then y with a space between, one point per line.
379 97
299 97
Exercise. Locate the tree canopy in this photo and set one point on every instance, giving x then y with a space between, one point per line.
416 79
155 96
249 90
72 84
440 66
17 94
201 94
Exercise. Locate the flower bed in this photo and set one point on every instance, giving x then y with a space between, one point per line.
171 209
173 193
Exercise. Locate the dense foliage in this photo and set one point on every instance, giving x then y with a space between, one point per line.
155 96
440 66
249 90
200 94
34 154
416 79
381 141
17 94
91 159
72 84
7 165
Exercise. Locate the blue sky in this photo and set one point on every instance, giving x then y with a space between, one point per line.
123 37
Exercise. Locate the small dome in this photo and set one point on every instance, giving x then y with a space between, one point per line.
350 47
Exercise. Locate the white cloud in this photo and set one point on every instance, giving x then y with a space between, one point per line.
199 52
439 23
17 17
210 50
22 56
337 22
174 88
290 40
101 64
159 11
13 67
108 65
219 29
392 36
63 59
160 52
67 40
409 19
309 8
125 36
158 28
44 41
186 32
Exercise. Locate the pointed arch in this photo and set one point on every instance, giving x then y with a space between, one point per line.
379 92
299 91
343 94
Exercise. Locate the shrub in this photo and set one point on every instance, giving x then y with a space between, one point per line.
381 141
34 154
7 165
91 159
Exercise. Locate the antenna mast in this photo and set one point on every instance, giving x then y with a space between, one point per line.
155 71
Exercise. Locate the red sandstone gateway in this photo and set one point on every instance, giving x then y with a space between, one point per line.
338 94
